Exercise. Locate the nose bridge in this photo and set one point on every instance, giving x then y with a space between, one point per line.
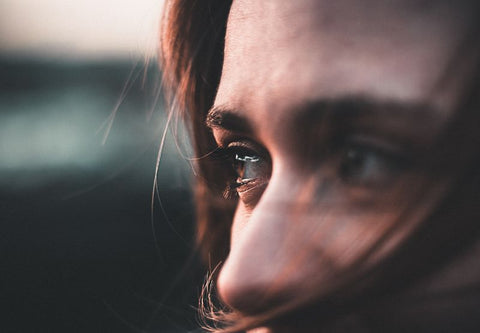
279 201
284 185
262 254
268 225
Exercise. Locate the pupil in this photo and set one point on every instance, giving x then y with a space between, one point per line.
242 164
355 158
353 164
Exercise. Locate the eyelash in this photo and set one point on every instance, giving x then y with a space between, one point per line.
360 163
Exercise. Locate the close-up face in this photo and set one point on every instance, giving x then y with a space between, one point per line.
326 109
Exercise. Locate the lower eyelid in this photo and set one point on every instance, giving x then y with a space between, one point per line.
250 195
251 184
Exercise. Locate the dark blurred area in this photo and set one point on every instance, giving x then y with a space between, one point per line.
80 251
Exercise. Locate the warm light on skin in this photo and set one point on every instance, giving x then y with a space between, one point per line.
280 55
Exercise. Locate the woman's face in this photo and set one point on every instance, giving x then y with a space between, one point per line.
325 107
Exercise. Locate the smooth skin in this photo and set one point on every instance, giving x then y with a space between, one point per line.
327 106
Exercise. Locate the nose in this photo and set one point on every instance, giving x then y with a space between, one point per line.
267 264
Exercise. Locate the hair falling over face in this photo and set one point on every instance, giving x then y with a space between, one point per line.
337 158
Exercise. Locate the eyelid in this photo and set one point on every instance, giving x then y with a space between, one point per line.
249 146
242 143
253 151
379 145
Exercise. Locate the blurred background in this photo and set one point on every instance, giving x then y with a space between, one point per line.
81 120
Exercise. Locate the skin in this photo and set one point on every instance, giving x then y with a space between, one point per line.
284 62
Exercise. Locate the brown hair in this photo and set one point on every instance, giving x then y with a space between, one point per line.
193 34
192 46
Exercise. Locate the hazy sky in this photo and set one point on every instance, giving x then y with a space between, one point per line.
79 28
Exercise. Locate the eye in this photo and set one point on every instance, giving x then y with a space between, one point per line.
368 165
247 162
246 165
250 165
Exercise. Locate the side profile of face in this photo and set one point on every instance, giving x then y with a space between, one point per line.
325 108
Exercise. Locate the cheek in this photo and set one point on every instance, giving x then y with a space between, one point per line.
242 214
299 238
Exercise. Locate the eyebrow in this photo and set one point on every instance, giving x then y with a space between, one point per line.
228 119
336 110
357 106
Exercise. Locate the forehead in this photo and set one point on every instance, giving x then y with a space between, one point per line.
308 49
